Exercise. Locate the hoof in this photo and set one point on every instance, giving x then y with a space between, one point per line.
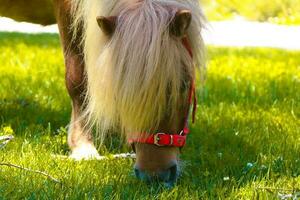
85 152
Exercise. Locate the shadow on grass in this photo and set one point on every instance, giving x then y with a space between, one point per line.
24 113
34 95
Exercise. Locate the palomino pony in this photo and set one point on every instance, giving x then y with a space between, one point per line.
130 67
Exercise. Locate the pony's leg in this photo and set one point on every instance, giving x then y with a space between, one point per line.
80 140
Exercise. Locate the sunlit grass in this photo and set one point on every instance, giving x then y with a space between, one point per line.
276 11
247 133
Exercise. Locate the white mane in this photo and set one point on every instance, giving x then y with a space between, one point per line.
134 78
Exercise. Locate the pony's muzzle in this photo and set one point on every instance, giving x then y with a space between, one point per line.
168 176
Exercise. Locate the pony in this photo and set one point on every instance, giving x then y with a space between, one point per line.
130 68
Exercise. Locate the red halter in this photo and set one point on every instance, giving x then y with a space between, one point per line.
174 140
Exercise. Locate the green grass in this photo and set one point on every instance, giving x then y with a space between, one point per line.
276 11
247 133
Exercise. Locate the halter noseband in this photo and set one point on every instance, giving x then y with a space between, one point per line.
174 140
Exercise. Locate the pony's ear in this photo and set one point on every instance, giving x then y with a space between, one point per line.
180 23
107 24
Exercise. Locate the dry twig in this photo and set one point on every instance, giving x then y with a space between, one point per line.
115 156
30 170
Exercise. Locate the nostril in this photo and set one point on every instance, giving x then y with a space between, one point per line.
140 174
174 172
137 172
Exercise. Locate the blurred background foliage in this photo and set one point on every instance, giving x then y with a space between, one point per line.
275 11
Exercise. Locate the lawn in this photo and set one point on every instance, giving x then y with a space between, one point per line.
245 143
276 11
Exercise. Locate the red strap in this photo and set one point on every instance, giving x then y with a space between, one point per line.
192 94
162 139
186 43
194 102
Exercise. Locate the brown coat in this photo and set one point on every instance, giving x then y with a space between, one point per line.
35 11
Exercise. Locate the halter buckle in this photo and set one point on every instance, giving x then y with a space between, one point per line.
157 139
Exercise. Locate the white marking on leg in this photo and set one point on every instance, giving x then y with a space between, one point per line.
85 152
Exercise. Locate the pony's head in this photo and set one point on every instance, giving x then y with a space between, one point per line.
140 70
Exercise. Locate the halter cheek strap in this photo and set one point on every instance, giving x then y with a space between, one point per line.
174 140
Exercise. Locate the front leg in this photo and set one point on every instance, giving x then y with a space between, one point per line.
80 140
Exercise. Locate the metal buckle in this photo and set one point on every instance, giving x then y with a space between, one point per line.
181 133
157 139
